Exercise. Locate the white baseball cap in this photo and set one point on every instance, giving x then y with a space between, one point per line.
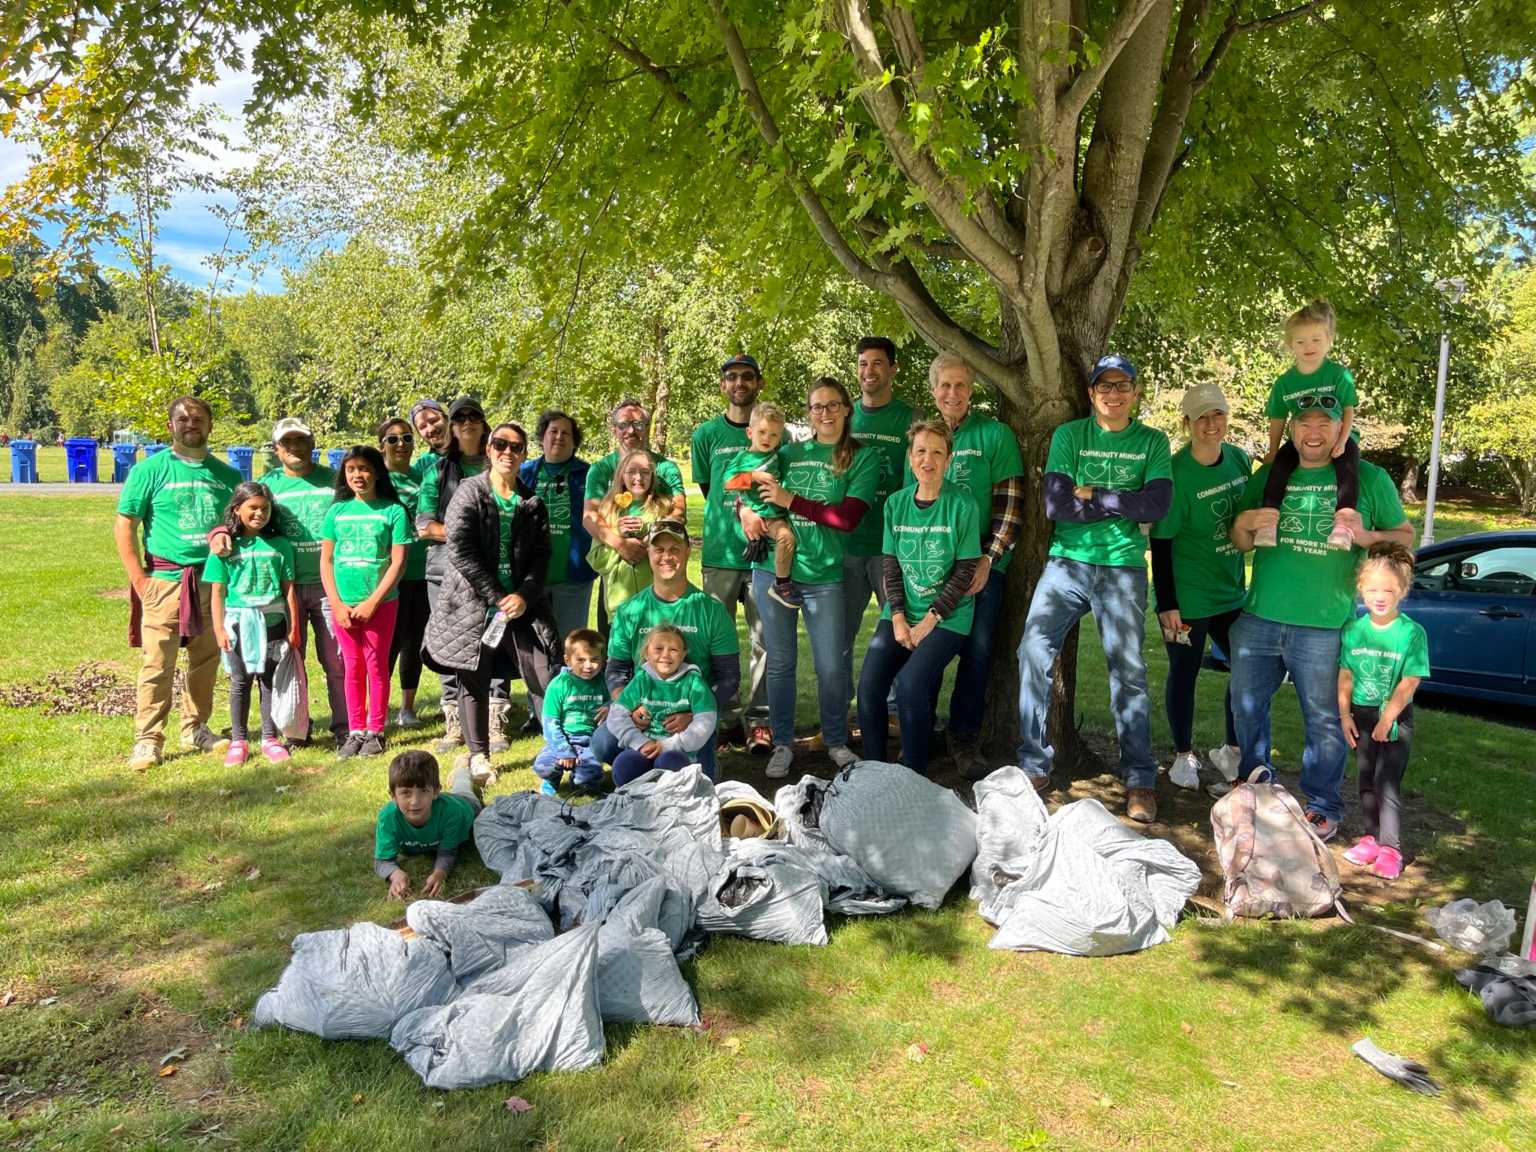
1204 397
290 426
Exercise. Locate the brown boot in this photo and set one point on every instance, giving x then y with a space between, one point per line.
1141 804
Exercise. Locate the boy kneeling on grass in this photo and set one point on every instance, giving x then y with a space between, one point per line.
422 818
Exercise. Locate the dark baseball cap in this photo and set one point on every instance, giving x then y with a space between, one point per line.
426 402
741 360
1114 362
465 404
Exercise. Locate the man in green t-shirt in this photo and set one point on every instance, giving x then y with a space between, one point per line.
177 496
304 491
726 574
880 421
1107 475
1301 594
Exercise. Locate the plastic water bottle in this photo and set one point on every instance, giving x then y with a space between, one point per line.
495 630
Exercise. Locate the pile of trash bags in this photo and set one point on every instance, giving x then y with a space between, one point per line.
599 902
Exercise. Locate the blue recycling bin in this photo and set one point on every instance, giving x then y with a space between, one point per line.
240 460
315 456
80 458
333 456
23 461
124 456
151 449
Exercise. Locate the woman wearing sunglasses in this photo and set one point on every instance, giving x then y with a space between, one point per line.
496 535
397 441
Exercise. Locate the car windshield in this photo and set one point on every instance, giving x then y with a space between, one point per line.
1499 571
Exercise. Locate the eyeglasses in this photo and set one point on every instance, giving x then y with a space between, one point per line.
467 418
630 425
502 444
1104 387
398 438
1326 403
822 409
734 377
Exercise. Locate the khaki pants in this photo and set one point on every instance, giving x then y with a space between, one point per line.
732 586
161 642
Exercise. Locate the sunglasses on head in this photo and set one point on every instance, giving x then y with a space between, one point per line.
502 444
398 438
1326 403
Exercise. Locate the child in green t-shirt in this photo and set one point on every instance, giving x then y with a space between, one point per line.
575 704
420 818
1314 381
1382 658
664 687
254 608
758 462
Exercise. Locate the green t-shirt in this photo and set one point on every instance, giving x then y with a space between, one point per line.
662 698
426 462
884 430
715 443
506 510
575 702
986 454
1207 567
302 502
926 543
408 488
669 477
178 503
697 615
364 531
749 461
450 824
807 471
1330 379
552 482
1124 461
1301 580
253 573
1381 657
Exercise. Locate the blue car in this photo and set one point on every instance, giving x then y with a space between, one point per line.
1475 597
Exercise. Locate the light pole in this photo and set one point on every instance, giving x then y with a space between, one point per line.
1451 289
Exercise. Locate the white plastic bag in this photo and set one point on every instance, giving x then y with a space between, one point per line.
1481 929
290 694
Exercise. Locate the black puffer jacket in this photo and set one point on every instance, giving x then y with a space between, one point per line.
471 587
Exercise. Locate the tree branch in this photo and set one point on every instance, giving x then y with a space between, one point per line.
636 57
1232 29
1127 20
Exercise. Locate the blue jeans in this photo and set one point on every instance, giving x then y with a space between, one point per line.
1068 590
968 699
605 748
824 624
1262 652
588 772
630 765
915 675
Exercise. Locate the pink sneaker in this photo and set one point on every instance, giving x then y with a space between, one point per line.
1364 852
238 752
1389 863
274 751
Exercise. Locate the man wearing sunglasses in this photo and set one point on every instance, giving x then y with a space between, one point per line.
1301 595
1106 476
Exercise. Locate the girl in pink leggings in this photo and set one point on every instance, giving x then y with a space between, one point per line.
362 554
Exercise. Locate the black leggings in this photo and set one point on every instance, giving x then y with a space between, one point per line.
410 627
240 691
1382 766
1184 670
1346 472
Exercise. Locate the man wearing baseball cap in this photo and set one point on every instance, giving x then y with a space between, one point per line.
303 490
1106 476
431 424
671 599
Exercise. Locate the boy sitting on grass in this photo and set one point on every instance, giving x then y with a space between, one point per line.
421 818
576 703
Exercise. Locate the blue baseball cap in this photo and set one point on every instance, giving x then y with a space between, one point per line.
1114 362
741 360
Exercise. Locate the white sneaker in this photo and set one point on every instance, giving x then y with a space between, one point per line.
1185 772
145 755
778 763
1225 761
481 771
842 755
408 718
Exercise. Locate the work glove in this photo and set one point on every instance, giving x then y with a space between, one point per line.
1408 1073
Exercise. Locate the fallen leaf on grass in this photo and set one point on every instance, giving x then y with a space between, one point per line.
118 1131
1227 1083
211 858
731 1043
38 800
357 1098
47 1000
437 1103
1187 1029
212 885
517 1104
916 1053
7 1000
745 1118
174 1054
1104 1102
170 817
168 1070
253 874
80 859
223 792
237 1022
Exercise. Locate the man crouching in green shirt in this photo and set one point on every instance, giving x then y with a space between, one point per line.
421 818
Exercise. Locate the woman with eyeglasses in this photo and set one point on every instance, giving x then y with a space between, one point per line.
559 476
829 483
496 535
397 441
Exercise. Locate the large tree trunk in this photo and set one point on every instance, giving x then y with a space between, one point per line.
1408 490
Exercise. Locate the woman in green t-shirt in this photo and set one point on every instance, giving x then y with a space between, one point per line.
829 483
397 442
929 553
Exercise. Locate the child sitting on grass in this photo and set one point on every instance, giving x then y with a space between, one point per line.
422 818
760 461
664 686
576 703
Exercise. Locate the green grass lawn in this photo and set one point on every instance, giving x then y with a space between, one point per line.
155 908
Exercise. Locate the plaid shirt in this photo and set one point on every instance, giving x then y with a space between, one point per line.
1007 515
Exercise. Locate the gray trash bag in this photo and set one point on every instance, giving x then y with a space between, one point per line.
482 934
846 888
797 807
1510 1000
638 981
355 983
1170 876
1011 821
911 836
543 1017
775 901
529 836
666 805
